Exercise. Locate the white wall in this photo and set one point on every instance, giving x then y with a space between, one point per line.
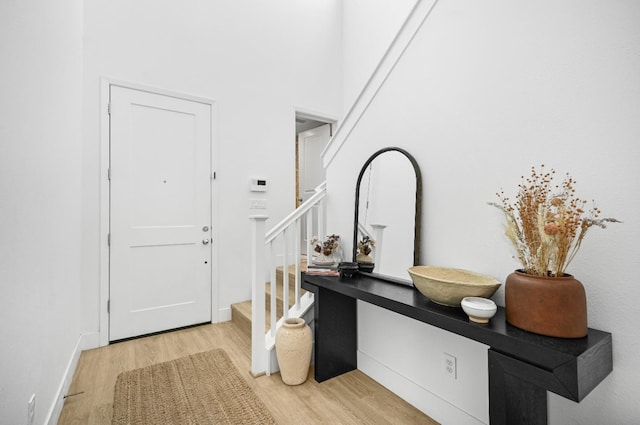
416 350
488 89
369 29
258 61
40 207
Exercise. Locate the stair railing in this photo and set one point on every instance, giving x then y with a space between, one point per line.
280 246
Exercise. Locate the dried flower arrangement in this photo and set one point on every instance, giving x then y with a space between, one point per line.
365 245
547 223
327 246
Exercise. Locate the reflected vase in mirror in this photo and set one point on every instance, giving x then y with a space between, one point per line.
363 257
387 214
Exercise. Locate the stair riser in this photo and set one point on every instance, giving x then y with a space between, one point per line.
242 316
242 321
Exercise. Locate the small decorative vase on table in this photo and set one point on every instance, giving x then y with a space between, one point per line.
324 260
328 251
546 225
293 350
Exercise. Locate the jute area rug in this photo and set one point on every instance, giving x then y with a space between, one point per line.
200 389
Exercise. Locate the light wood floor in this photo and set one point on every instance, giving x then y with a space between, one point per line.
352 398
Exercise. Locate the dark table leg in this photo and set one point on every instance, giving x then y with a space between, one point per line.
513 399
335 334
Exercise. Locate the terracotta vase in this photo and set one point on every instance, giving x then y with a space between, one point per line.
551 306
293 349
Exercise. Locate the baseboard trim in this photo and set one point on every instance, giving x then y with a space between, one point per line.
90 340
85 341
419 397
224 314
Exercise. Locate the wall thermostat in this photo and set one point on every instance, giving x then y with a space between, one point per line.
258 184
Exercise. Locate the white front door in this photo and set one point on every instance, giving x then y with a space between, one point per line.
311 143
160 213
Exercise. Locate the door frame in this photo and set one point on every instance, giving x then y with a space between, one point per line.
315 116
104 263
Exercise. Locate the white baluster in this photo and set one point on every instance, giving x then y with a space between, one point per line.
285 274
296 253
309 216
322 209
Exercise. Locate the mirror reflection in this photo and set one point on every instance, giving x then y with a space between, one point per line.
387 222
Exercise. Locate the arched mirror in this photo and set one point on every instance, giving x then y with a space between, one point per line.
388 207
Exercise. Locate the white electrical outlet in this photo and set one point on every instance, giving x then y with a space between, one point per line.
450 366
31 410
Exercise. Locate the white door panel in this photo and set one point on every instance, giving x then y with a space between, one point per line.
160 269
311 144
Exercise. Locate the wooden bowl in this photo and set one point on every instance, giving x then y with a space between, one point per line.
448 286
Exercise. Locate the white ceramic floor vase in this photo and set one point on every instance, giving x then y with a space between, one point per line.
293 349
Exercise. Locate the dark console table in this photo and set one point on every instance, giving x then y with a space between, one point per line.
522 365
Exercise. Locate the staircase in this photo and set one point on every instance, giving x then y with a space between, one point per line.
273 253
241 312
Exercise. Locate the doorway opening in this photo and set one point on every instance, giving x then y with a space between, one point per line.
312 136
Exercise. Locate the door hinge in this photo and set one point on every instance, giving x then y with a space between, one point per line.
108 306
213 175
109 108
108 239
109 174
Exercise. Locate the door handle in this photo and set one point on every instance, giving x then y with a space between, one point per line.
205 241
